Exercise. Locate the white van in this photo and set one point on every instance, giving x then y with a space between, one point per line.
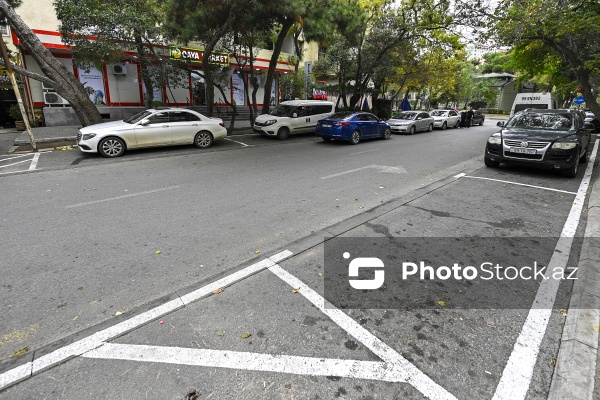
294 116
545 101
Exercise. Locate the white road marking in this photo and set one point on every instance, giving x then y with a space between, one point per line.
363 152
34 161
249 361
517 374
516 183
16 172
407 371
13 156
243 144
460 175
121 197
97 339
15 163
381 168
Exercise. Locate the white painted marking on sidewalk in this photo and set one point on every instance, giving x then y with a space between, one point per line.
249 361
381 168
519 184
15 163
407 371
97 339
460 175
121 197
517 374
363 152
34 161
243 144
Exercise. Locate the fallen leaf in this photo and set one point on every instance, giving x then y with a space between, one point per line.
246 335
554 361
202 266
77 316
118 313
488 372
157 252
320 274
126 190
442 303
257 252
563 312
296 290
21 352
489 326
217 291
220 333
161 322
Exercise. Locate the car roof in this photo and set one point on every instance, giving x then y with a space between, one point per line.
306 102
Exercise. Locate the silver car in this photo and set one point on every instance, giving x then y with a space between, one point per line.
445 119
411 122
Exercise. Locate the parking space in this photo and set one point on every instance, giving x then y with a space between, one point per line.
15 163
266 331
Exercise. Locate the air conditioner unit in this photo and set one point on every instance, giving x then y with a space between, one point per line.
45 86
53 98
119 69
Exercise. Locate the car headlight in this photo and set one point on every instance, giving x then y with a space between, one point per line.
88 136
270 122
495 140
564 145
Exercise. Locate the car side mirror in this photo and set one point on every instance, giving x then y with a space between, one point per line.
144 122
500 123
294 115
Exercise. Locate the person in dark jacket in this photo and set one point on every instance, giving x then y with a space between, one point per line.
470 115
463 117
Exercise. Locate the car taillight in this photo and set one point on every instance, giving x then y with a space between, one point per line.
342 123
222 124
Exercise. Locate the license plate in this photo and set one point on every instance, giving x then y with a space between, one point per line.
326 125
522 150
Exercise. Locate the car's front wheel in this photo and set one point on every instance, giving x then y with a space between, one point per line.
355 137
203 140
387 134
490 163
481 123
430 127
412 130
111 147
571 172
283 133
444 126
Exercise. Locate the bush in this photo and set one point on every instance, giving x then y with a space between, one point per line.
15 112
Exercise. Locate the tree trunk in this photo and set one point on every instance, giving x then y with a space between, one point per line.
63 80
254 107
145 70
285 28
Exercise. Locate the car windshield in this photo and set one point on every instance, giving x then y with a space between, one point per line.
341 115
282 110
404 115
560 122
439 113
138 117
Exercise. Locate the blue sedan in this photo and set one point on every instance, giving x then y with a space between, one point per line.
352 127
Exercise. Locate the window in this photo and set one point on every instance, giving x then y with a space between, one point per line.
159 118
372 118
182 116
3 28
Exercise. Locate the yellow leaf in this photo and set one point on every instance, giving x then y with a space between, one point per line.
157 252
21 352
442 303
217 291
246 335
118 313
257 251
296 290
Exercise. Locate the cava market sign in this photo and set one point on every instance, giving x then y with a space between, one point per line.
195 55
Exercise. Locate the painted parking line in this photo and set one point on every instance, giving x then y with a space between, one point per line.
513 183
243 144
121 197
380 168
363 152
407 371
97 339
516 377
34 162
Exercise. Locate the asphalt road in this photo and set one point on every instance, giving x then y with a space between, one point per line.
88 238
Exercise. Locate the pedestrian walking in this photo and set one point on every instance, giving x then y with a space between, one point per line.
470 115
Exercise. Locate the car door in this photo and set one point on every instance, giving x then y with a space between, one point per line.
184 126
154 130
453 118
300 119
377 128
422 123
364 125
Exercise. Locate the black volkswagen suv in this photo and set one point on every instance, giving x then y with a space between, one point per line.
553 139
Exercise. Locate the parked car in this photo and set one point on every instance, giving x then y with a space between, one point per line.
553 139
445 119
591 118
294 116
151 128
478 118
352 127
411 122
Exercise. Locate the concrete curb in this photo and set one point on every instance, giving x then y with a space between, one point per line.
575 372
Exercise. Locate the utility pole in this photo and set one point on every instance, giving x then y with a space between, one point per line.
13 81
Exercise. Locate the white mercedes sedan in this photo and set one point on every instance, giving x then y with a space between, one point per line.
151 128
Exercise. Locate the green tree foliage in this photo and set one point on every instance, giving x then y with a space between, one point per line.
569 30
291 86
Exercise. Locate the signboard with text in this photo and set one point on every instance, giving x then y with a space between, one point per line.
195 55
